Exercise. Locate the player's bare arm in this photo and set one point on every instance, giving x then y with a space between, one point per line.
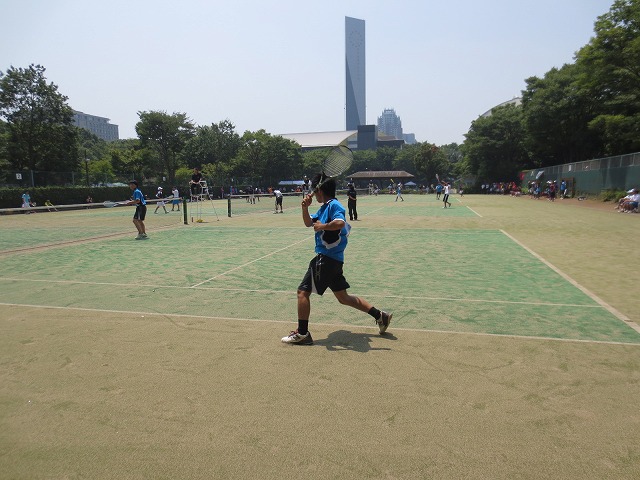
306 217
335 224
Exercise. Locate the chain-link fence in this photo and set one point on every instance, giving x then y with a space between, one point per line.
621 172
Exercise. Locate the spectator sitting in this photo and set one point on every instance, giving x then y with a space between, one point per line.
630 204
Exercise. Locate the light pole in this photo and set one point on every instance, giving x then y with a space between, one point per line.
86 167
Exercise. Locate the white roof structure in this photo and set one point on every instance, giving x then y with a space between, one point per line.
320 139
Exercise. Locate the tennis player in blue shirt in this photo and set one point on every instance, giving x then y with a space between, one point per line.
141 210
325 270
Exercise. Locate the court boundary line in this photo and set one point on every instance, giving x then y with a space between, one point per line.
616 313
262 320
288 292
474 211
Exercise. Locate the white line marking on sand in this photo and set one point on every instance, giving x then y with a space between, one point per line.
363 327
473 211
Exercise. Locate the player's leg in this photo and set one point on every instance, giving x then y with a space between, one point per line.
381 318
302 335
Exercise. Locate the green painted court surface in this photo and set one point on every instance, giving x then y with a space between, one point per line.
514 350
458 280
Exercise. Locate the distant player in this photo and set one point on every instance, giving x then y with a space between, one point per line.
160 196
399 192
279 196
445 198
176 198
141 210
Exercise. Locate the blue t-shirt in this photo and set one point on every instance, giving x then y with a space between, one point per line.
331 243
137 195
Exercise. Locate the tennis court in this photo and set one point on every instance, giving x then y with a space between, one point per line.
162 358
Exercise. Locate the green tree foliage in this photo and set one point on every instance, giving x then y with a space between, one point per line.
610 65
557 112
4 142
165 135
41 135
495 145
268 157
214 144
101 172
128 157
91 147
363 160
430 160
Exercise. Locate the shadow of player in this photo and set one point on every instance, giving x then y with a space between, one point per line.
357 342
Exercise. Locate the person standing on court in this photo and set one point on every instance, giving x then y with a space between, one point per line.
141 210
399 191
325 269
26 200
160 196
176 198
445 198
279 196
351 203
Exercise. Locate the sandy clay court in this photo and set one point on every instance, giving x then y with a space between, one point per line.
514 350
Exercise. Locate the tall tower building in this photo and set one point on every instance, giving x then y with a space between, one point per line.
355 73
390 124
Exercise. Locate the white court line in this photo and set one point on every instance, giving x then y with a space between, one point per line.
473 211
344 325
288 292
249 263
591 295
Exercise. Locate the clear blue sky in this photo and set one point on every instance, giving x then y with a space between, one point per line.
279 65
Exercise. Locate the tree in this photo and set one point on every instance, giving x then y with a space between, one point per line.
494 147
557 112
269 158
41 135
610 65
215 144
165 135
429 160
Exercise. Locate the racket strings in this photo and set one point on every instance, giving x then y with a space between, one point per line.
338 161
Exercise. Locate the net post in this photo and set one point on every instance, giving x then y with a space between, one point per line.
184 210
229 205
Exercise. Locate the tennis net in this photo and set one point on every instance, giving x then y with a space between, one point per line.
260 203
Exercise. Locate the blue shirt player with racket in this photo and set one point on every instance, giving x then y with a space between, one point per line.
141 210
325 269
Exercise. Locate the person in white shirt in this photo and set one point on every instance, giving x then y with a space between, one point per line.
279 196
445 198
631 203
176 198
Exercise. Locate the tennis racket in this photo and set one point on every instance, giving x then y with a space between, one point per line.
110 204
336 163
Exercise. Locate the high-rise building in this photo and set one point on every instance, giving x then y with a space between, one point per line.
355 73
390 124
99 126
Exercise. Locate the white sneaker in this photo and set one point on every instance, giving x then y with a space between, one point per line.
295 338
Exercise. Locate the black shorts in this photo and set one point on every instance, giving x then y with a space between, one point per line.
324 272
141 212
279 201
